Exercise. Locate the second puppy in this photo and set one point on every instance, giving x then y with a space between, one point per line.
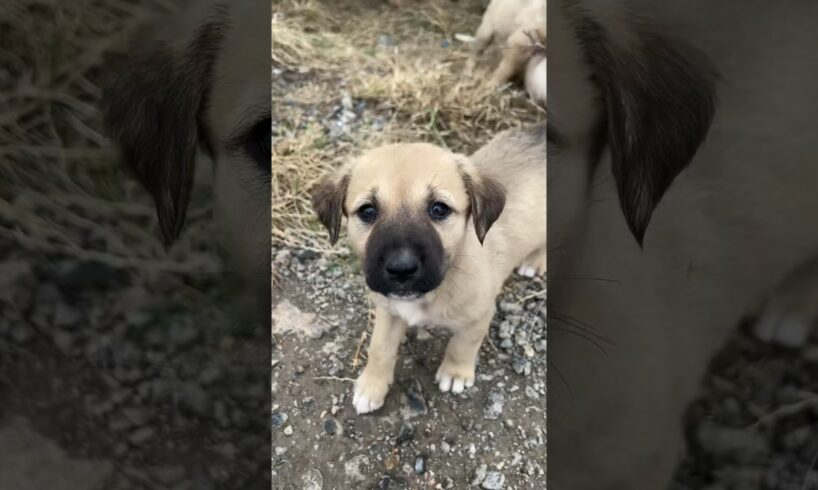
438 234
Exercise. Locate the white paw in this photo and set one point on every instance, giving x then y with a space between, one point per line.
454 383
370 393
526 270
782 327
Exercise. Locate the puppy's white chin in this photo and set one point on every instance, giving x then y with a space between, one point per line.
406 297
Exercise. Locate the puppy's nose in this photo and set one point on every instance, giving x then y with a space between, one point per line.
402 265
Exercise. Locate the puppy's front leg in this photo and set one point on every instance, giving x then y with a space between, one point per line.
373 383
456 372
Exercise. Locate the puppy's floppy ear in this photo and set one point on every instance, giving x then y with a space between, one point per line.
155 112
659 96
328 197
487 197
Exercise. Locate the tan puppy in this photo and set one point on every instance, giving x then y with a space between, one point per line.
438 234
199 98
519 26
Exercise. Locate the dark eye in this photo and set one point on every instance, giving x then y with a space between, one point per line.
258 143
367 213
439 211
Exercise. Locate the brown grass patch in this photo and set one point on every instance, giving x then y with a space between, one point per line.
402 62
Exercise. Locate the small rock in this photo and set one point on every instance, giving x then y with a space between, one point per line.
494 481
288 431
420 464
414 400
494 405
383 483
330 426
353 467
511 307
479 475
278 419
445 447
522 366
141 436
406 434
312 480
530 392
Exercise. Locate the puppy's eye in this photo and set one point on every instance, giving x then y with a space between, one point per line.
439 211
367 213
258 143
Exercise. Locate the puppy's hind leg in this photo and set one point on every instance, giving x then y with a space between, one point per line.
372 385
535 264
456 372
516 53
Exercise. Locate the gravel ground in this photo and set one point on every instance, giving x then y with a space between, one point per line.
135 372
492 436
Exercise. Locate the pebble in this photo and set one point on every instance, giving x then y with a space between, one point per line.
494 405
420 464
511 307
414 399
330 426
288 431
494 481
479 475
278 419
530 392
353 468
312 480
406 434
141 436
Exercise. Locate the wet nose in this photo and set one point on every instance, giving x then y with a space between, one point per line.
402 265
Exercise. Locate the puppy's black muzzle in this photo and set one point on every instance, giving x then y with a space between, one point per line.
404 259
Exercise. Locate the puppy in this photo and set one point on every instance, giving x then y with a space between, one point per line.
519 26
438 234
683 187
200 97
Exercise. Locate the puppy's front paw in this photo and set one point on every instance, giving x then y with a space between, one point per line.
453 377
370 392
535 264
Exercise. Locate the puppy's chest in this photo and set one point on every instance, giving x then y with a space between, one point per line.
418 314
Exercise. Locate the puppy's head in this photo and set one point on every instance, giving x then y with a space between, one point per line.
201 91
409 210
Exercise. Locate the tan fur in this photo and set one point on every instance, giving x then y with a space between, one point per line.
464 303
517 25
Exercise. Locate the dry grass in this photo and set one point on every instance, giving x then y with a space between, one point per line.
427 89
62 190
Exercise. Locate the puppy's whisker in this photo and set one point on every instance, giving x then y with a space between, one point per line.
584 278
553 366
583 327
580 335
